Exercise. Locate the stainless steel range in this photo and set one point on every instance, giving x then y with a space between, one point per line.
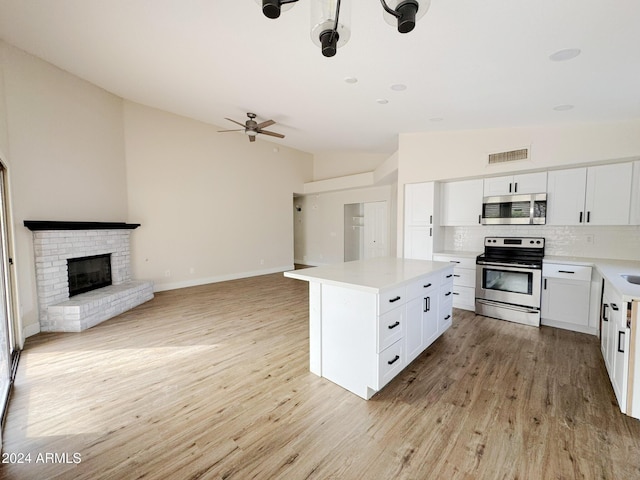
509 279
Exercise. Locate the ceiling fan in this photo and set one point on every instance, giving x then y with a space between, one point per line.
253 128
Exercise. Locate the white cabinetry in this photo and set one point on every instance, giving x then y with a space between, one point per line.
615 342
512 184
599 195
565 297
368 319
464 278
421 220
462 202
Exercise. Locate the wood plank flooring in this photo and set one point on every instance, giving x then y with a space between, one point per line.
212 382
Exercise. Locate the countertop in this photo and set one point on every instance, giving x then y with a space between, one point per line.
610 269
370 275
458 253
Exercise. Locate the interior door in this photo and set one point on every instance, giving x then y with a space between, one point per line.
376 230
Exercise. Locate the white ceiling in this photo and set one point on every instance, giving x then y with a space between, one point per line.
469 63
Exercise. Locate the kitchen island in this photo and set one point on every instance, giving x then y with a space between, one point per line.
368 319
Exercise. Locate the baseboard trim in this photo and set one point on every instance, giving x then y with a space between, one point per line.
161 287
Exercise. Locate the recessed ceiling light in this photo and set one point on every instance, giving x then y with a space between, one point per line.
382 101
566 54
351 80
562 108
398 87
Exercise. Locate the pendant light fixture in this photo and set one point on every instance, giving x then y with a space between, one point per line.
330 19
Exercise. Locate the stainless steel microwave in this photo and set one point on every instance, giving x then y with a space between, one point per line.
526 209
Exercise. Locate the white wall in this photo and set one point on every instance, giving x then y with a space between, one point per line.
212 206
319 227
332 165
64 150
460 154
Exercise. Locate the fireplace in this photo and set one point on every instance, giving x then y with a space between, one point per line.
88 273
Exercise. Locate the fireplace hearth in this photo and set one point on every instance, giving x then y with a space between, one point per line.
83 273
88 273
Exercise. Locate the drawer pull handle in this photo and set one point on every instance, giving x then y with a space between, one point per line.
454 261
456 293
566 271
620 349
604 312
450 275
447 317
395 359
447 294
457 276
615 307
391 327
427 285
391 300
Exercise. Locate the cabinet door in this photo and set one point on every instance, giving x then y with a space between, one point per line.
429 306
413 330
462 202
605 333
530 183
419 203
565 301
608 196
418 243
620 354
495 186
376 230
565 196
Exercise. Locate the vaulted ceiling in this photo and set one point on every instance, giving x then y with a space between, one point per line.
468 64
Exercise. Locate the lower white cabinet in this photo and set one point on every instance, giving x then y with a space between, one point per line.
464 278
615 342
565 301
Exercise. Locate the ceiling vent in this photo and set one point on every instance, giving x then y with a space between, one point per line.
511 156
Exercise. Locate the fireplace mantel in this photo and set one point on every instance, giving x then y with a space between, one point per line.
40 225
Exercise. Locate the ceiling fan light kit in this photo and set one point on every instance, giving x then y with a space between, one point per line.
330 20
252 128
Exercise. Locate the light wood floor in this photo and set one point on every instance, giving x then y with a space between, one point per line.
212 382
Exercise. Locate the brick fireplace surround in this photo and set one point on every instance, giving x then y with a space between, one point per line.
54 243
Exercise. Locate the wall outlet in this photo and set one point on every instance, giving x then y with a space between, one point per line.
167 273
192 270
261 262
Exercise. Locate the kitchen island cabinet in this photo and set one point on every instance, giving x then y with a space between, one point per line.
369 318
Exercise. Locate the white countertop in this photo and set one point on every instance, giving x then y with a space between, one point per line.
610 269
371 275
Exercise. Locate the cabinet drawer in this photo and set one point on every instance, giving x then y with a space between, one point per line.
424 285
464 297
390 363
446 277
446 293
391 299
464 277
569 272
462 262
390 328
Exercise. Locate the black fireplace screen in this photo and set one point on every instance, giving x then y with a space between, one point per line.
89 273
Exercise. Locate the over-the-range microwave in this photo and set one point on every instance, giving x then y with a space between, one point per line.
521 209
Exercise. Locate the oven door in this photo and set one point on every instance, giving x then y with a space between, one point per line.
509 284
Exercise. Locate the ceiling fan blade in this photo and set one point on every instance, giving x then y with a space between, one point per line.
271 134
252 138
237 123
236 130
265 124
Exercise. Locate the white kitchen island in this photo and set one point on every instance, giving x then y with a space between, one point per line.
368 319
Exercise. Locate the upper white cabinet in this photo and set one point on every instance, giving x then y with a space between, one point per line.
599 195
514 184
462 202
421 220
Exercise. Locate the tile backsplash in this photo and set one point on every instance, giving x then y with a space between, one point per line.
621 242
